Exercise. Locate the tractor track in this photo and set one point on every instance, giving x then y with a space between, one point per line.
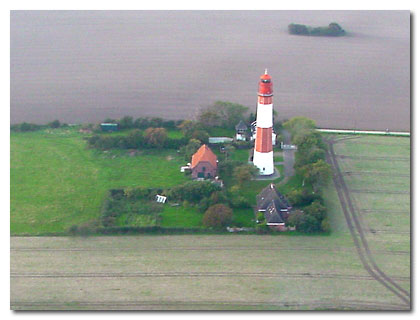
333 304
379 173
385 211
128 249
303 275
378 191
342 156
356 229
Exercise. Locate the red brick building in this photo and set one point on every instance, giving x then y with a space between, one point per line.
204 163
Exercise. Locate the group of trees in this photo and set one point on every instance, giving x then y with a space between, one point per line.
128 122
136 139
310 163
333 30
222 114
310 155
25 126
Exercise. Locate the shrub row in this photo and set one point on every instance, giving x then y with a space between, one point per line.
134 140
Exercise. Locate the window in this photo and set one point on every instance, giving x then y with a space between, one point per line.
204 169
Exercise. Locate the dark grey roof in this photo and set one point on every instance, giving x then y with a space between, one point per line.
241 126
270 194
272 215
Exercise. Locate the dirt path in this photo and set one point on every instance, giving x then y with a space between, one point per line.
357 232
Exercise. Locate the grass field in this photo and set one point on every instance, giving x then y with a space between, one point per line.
56 182
380 187
192 272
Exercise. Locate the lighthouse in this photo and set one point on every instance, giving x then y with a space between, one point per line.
263 150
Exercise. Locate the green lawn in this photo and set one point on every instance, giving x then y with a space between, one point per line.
56 182
181 216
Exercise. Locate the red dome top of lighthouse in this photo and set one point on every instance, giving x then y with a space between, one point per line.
265 87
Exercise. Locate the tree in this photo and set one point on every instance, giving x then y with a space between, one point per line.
226 167
191 148
303 197
318 173
294 218
209 118
54 124
201 135
308 224
126 122
299 29
303 222
156 137
187 127
316 210
303 157
245 173
225 114
297 124
217 216
135 139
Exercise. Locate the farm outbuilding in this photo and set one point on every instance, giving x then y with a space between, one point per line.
204 163
109 127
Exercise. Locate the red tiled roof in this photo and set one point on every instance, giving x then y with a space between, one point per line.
204 154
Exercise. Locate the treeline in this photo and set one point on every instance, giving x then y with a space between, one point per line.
333 30
137 139
310 214
128 122
25 126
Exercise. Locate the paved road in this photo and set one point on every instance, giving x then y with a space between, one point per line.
288 155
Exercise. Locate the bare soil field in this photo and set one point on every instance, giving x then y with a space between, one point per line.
85 66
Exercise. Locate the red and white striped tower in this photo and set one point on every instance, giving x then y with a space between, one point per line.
263 150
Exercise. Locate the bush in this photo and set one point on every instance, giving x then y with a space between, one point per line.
217 216
244 173
54 124
262 228
226 167
325 226
303 197
156 137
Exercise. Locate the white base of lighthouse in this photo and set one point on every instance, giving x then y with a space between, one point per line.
265 162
